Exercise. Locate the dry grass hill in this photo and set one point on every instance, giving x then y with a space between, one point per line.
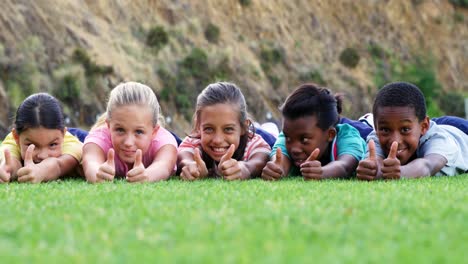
79 50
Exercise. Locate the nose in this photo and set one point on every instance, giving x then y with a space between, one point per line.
395 137
129 140
218 138
295 148
41 154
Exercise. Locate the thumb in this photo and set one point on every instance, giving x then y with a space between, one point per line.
197 157
393 150
228 154
110 157
138 159
314 155
372 153
279 156
28 156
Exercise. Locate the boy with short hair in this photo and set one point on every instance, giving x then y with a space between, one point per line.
406 143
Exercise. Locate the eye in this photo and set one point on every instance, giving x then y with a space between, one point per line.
208 130
53 145
140 132
384 130
406 130
305 140
229 129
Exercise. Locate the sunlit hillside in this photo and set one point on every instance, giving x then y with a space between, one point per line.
79 50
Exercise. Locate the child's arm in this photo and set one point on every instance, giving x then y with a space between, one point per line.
9 167
232 169
427 166
342 167
278 166
161 168
96 168
47 170
192 165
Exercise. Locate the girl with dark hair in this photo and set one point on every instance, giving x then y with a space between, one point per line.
223 141
313 143
39 148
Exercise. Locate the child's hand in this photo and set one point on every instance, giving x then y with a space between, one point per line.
138 172
368 168
195 170
311 169
230 168
30 172
106 171
391 165
273 170
5 168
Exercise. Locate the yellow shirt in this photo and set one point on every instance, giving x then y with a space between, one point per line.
71 145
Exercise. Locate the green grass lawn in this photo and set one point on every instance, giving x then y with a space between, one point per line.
423 221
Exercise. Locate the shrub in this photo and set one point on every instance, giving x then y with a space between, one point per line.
349 57
245 2
157 38
460 3
452 103
312 76
271 56
91 68
212 33
196 64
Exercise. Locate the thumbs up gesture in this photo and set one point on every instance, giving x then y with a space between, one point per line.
311 169
138 172
30 172
274 169
391 165
369 167
196 169
106 171
5 167
230 168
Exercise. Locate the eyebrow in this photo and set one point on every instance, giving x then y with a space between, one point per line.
35 143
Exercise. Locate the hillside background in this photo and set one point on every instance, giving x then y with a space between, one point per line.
79 50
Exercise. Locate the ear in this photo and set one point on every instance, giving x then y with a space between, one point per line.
245 127
331 133
15 136
155 130
107 123
425 124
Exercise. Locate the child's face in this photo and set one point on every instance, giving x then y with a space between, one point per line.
219 128
131 128
47 142
303 136
400 124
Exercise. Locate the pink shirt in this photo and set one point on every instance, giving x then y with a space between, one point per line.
102 138
256 144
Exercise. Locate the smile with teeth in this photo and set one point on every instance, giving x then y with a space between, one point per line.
219 150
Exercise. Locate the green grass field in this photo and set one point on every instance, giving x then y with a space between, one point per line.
424 221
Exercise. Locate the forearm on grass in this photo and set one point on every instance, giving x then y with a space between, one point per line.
93 157
254 166
163 164
343 167
423 167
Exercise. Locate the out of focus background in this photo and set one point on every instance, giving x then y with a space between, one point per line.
79 50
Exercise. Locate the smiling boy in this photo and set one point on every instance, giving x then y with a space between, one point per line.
406 143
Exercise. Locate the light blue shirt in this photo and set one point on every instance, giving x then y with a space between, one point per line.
347 141
445 140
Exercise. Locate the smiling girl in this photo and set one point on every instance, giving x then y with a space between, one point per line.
223 142
127 141
39 148
313 144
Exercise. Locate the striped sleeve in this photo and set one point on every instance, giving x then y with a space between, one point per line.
256 145
189 144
